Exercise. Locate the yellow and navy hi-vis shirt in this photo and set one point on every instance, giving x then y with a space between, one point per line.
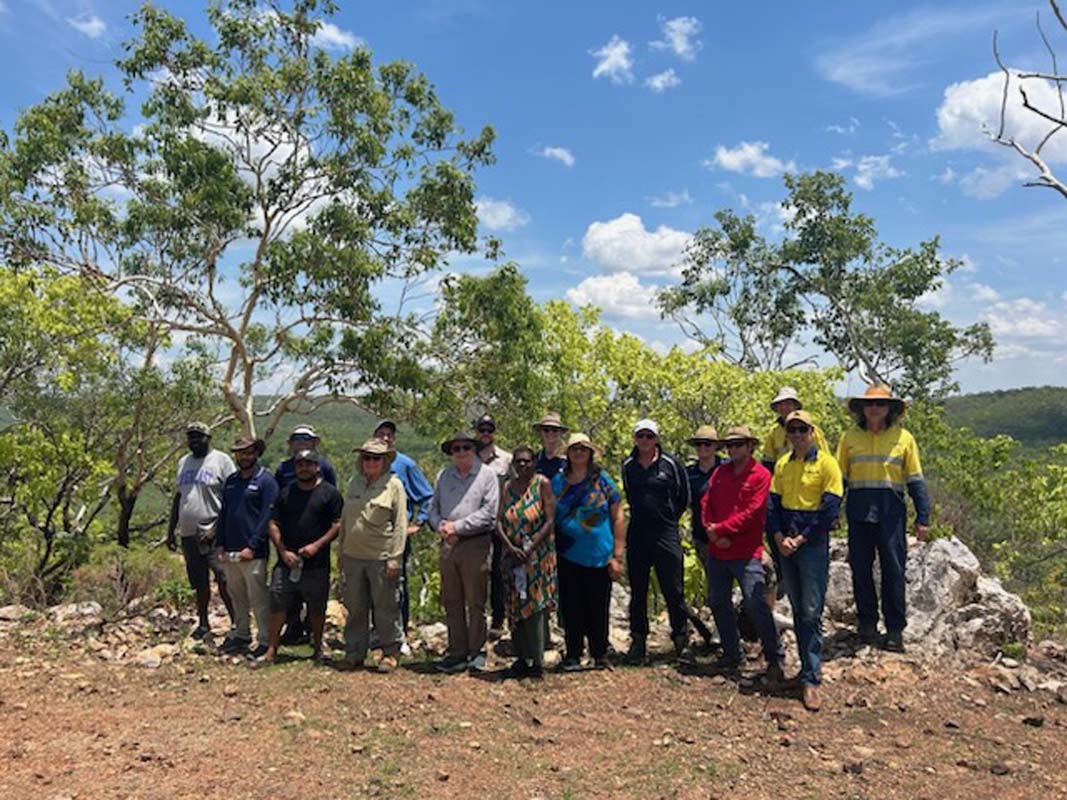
881 464
805 494
776 445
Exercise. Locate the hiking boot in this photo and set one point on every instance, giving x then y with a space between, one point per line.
602 663
638 653
893 642
812 702
518 669
774 676
387 664
201 632
350 664
450 665
869 634
233 645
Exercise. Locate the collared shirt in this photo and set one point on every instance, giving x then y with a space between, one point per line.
416 488
878 468
549 467
658 494
805 494
374 519
470 502
698 484
776 444
737 505
285 474
245 512
498 460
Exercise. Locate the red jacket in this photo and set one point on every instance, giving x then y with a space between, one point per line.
737 504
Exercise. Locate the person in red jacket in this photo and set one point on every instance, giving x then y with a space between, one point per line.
734 511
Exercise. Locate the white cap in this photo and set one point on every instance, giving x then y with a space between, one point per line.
646 425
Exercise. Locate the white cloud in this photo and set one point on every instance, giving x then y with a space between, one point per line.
330 37
671 200
983 293
937 298
624 244
560 154
1025 318
845 130
883 60
614 61
967 264
89 25
774 216
986 182
500 215
678 37
662 81
946 177
872 168
840 163
620 295
750 158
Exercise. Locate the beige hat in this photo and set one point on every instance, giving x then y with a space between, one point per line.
878 391
459 436
786 393
377 447
581 440
739 433
550 420
705 433
803 416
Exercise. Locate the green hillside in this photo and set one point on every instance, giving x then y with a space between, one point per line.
1036 416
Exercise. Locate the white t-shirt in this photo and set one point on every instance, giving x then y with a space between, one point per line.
200 483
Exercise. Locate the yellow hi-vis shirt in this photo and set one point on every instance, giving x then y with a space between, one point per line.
885 460
801 482
776 445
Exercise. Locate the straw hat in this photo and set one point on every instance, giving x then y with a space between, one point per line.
459 436
739 433
550 420
786 393
878 391
705 433
581 440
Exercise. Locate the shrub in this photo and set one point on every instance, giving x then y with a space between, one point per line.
115 576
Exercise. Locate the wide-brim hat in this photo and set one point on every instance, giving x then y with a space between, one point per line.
802 416
878 391
582 440
739 433
550 420
459 436
705 433
378 447
786 393
244 442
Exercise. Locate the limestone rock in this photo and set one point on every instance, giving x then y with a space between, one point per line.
14 613
77 615
434 636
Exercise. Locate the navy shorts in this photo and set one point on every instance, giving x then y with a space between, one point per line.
199 564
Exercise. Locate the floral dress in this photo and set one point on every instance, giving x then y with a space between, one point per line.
522 518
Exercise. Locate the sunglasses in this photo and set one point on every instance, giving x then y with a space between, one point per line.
876 403
461 448
487 430
797 429
644 435
734 445
704 443
372 457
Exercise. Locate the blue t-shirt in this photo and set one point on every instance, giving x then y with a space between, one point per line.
583 519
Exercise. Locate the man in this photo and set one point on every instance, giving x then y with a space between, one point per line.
805 500
463 513
552 458
305 519
194 511
499 461
302 438
418 492
657 490
706 443
734 513
241 539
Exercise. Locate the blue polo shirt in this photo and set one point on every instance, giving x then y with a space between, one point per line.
416 487
245 512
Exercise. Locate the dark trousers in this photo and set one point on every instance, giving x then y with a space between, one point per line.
585 601
887 540
748 572
405 597
645 552
529 638
498 590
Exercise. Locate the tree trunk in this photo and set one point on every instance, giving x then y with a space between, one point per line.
127 501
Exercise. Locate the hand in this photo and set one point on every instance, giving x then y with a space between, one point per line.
451 540
246 554
517 553
308 550
710 529
723 542
290 558
172 541
615 568
922 532
413 529
788 545
448 528
392 572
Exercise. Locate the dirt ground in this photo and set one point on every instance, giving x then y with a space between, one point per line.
200 726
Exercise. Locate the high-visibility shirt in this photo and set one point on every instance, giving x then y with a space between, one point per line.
776 444
805 493
878 468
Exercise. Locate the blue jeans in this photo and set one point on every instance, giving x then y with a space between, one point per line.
806 574
749 573
887 539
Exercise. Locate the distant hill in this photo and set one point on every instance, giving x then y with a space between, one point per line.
1035 416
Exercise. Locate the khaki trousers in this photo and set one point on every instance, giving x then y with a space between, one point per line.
464 577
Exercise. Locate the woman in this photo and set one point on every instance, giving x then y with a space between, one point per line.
879 460
525 527
805 500
373 529
591 543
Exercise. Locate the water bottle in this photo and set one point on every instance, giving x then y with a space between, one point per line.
233 555
297 571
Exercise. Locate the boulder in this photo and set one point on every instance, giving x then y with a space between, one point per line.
77 615
153 657
336 614
14 613
434 637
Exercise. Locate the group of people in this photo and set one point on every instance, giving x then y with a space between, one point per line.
532 532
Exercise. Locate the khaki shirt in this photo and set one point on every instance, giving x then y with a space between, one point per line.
374 520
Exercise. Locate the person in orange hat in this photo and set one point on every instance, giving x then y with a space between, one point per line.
879 461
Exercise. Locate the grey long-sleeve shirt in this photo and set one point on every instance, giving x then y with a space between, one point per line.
470 502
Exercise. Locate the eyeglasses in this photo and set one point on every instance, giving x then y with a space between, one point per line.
372 457
644 435
735 445
461 448
797 429
876 403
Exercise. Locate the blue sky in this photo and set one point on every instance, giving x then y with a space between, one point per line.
623 126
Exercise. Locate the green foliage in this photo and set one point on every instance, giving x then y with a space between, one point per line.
114 576
1036 417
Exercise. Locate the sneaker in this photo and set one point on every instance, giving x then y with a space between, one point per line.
869 634
602 663
451 664
350 664
812 701
728 662
637 652
570 665
233 645
518 669
387 664
535 674
201 632
258 651
477 663
893 641
774 677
